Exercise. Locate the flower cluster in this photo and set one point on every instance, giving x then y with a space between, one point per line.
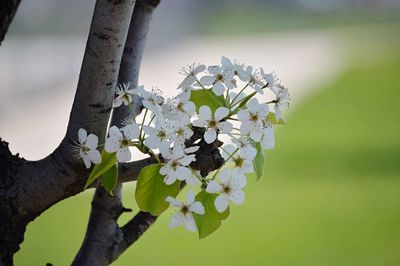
225 99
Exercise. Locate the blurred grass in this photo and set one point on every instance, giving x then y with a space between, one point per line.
330 196
253 20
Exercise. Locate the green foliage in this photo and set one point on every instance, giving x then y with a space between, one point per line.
110 178
151 191
271 118
211 220
107 161
207 97
258 161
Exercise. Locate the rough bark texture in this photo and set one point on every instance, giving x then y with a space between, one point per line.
105 240
8 8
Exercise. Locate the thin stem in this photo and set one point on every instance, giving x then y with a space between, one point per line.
206 90
250 95
234 98
141 128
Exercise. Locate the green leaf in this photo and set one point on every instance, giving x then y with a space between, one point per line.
271 118
258 161
107 161
151 190
207 97
110 178
243 102
211 219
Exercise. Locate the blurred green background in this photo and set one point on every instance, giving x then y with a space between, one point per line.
331 190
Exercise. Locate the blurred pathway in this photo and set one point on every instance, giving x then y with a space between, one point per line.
38 76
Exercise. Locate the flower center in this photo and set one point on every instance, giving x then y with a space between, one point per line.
125 143
84 148
180 107
185 209
174 165
212 123
227 189
180 132
220 77
161 135
238 161
254 117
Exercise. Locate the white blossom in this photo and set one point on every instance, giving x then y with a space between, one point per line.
159 135
252 119
282 100
254 79
229 189
177 166
238 69
124 94
241 163
119 141
246 148
219 78
268 138
180 108
151 100
213 123
182 132
190 72
86 148
185 213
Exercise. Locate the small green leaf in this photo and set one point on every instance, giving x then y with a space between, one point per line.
151 191
271 118
207 97
211 219
258 161
107 161
110 178
243 102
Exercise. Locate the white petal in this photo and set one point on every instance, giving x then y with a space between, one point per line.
197 207
91 141
204 113
86 160
123 155
189 198
131 131
225 127
226 62
210 135
214 70
268 139
221 203
82 135
190 223
256 134
253 105
199 68
169 179
94 156
182 173
177 220
218 88
186 160
225 176
117 102
238 182
228 150
237 196
243 115
207 80
112 145
213 187
173 202
221 113
115 132
192 149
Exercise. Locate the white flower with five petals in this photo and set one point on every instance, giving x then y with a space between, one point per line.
213 122
229 189
86 148
185 213
124 94
252 119
242 164
119 141
190 72
219 79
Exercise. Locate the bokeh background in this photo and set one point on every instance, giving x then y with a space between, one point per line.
331 190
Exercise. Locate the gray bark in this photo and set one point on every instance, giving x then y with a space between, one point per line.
28 188
8 8
105 240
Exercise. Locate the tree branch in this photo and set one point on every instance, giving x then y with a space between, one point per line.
104 240
8 9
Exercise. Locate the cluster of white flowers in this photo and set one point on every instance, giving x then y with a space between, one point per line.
168 123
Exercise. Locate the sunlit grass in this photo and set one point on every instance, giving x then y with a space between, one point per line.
330 195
